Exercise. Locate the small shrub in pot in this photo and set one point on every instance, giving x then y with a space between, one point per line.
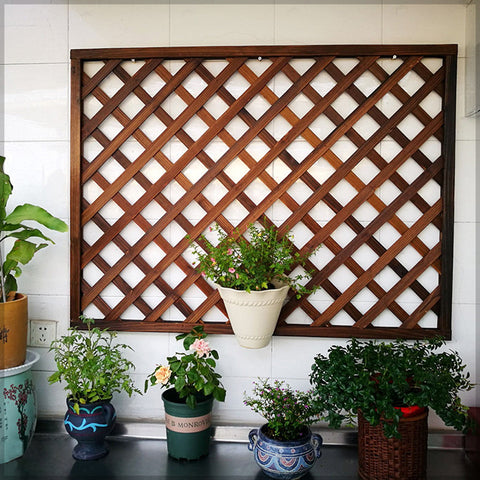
379 377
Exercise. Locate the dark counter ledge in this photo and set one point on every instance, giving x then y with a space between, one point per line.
139 452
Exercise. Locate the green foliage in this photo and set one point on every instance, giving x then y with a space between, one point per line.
376 377
261 263
191 373
28 240
91 364
286 411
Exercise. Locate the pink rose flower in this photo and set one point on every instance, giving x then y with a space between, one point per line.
231 270
229 251
201 347
162 374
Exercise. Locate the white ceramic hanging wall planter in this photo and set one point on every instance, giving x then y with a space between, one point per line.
253 315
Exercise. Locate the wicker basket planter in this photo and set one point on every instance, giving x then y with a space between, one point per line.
405 458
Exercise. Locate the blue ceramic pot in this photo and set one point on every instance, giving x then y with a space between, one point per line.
89 428
285 460
18 409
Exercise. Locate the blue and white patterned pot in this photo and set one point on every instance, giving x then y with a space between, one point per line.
285 460
89 428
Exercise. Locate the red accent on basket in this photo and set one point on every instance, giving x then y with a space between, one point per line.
411 411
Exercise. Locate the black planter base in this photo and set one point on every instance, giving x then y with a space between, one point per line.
89 451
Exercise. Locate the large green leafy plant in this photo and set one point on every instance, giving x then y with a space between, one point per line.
259 263
28 240
91 364
287 411
191 373
378 378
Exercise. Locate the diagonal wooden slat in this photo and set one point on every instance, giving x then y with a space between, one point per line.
421 266
186 158
90 84
163 137
196 189
374 269
90 125
269 182
373 226
351 177
259 95
146 185
373 155
226 158
135 122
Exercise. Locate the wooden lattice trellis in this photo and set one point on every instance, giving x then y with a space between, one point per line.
351 147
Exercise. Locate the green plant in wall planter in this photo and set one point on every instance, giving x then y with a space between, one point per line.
93 367
389 386
252 277
192 385
284 448
27 241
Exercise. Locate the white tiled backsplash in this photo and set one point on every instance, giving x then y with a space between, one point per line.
38 39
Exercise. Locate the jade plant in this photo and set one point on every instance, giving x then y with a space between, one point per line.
379 378
27 240
92 364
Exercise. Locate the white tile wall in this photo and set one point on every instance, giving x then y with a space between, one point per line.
327 24
36 102
465 181
219 24
37 43
464 264
93 25
424 24
36 34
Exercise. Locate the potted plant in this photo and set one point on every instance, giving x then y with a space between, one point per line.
284 447
252 278
192 385
27 241
390 387
93 367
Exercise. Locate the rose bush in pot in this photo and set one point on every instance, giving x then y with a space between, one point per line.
191 384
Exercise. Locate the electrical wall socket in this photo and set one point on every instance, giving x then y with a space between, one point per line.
42 332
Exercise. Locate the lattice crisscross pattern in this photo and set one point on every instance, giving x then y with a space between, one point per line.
348 149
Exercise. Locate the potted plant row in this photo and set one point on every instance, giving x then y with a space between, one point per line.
19 243
252 278
191 387
93 367
389 387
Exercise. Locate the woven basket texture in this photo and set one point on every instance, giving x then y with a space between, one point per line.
382 458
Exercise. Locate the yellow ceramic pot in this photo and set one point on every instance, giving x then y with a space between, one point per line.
13 332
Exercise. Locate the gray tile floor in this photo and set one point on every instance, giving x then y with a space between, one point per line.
49 457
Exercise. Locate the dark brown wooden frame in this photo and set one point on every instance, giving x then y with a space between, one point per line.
442 171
